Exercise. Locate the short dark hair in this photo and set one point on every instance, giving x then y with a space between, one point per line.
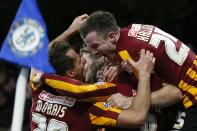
60 62
100 21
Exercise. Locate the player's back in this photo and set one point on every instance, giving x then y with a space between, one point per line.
175 62
51 111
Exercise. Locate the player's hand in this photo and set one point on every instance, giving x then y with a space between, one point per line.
119 101
145 64
35 75
111 72
78 21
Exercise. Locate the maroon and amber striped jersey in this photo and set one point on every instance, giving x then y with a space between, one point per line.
53 108
175 62
52 111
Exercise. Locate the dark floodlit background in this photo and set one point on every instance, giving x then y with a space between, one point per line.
177 17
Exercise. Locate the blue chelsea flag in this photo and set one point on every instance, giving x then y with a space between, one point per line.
27 42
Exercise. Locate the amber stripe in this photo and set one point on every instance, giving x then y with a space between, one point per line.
99 109
195 62
186 88
102 121
87 96
192 74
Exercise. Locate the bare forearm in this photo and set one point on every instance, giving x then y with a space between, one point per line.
135 116
166 96
159 99
141 101
137 113
73 28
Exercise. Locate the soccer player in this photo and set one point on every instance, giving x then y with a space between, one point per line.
175 62
53 111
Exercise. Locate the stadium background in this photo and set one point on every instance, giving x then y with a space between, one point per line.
177 17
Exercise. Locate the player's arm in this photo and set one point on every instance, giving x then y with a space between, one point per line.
136 115
102 115
73 28
166 96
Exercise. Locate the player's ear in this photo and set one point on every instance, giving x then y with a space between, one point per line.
112 36
70 73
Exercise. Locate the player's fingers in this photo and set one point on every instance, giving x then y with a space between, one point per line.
147 52
113 77
110 101
151 55
109 73
106 73
112 104
142 52
153 60
84 16
106 69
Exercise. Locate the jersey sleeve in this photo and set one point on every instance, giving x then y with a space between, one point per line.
100 115
85 92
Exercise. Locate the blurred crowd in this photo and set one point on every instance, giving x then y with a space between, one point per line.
8 78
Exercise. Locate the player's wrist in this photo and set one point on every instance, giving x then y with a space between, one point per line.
144 75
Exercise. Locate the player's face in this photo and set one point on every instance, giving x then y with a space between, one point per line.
79 63
98 45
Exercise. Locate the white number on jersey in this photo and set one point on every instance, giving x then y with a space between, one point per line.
53 125
180 121
169 41
151 123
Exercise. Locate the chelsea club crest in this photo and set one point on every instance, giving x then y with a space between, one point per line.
26 37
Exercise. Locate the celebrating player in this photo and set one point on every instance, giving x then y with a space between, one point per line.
175 62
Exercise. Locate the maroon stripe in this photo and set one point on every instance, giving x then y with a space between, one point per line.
96 93
102 113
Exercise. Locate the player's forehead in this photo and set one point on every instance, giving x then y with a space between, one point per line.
93 38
